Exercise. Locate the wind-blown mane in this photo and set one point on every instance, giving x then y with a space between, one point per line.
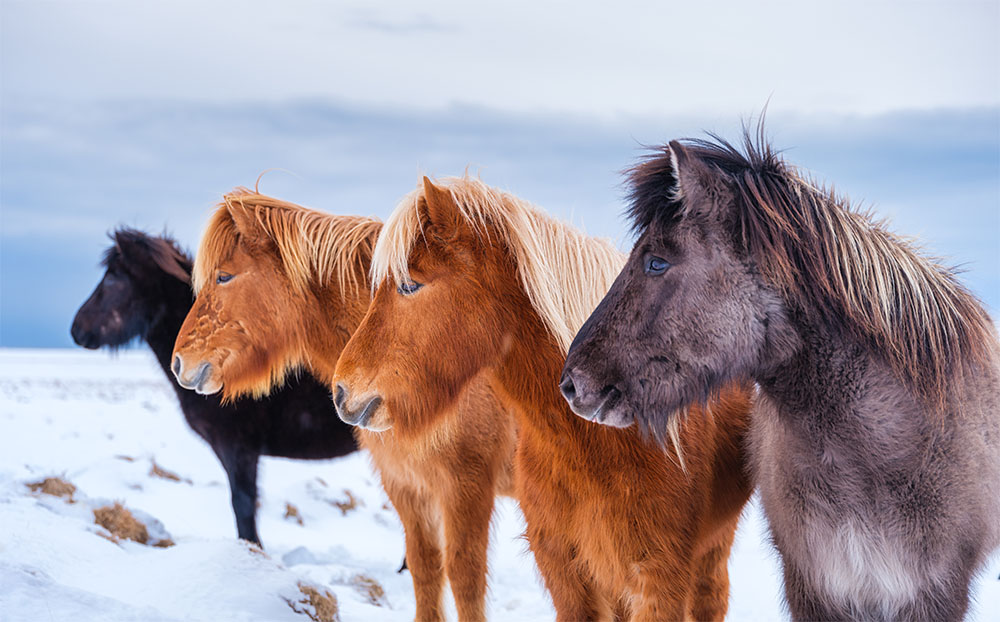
829 258
564 272
163 250
314 247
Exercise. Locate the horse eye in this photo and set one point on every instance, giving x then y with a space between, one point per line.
224 277
656 266
408 288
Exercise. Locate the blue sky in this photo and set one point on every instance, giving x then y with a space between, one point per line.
144 114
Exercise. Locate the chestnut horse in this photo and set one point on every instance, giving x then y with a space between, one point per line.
473 283
146 294
281 287
876 435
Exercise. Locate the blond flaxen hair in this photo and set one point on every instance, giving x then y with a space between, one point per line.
564 272
314 247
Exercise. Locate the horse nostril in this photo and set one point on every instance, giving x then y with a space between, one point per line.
567 387
340 397
177 365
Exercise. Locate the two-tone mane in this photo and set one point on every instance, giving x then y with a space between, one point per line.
564 272
314 247
831 259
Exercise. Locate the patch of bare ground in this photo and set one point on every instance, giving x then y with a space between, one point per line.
55 486
369 588
292 513
349 504
319 607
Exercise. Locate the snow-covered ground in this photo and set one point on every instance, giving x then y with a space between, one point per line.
99 422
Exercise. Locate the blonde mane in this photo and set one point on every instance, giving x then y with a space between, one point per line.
314 247
564 272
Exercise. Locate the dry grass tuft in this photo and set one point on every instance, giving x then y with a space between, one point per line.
369 588
55 486
292 513
158 471
166 543
120 523
125 458
320 607
349 504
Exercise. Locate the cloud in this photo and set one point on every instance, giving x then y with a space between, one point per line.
589 58
73 172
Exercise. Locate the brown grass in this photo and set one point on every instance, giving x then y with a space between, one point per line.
55 486
158 471
369 588
349 504
292 513
120 523
320 607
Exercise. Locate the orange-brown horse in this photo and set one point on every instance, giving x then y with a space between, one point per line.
473 282
281 287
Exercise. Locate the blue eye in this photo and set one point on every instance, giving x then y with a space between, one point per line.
656 266
224 277
408 288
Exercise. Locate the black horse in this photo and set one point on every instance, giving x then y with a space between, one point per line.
146 294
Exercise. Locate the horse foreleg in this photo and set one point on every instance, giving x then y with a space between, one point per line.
710 587
466 534
423 549
574 593
241 469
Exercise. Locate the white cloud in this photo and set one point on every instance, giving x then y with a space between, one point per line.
591 59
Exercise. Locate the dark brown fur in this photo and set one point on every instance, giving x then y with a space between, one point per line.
875 438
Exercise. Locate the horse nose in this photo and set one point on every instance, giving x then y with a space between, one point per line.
567 387
338 399
360 415
177 365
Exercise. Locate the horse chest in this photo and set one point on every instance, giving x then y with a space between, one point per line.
836 512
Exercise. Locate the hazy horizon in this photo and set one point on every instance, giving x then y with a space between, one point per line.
116 113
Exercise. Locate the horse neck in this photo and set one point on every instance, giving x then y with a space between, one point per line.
529 377
330 318
164 326
830 374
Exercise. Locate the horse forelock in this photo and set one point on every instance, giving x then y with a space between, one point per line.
564 272
312 246
163 251
835 261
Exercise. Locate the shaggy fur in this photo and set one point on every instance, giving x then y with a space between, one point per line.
145 294
876 435
298 290
617 529
545 251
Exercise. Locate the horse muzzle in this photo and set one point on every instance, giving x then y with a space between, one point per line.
604 406
359 412
199 378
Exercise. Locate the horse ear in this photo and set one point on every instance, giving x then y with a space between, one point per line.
694 178
128 244
245 220
437 206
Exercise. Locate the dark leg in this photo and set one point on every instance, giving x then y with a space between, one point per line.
241 467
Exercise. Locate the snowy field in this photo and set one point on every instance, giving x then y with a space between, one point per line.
99 422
